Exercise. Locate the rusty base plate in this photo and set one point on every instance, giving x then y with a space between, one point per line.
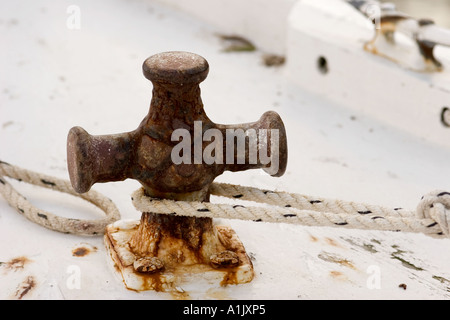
179 277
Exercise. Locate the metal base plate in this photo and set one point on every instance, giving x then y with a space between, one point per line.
176 278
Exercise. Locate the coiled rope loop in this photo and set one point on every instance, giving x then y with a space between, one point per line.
50 220
436 206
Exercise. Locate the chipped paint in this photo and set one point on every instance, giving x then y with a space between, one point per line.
329 257
369 247
441 279
235 43
366 246
398 256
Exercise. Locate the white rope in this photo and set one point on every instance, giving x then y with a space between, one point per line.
47 219
432 216
436 206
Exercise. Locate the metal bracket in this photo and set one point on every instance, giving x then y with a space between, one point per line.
401 38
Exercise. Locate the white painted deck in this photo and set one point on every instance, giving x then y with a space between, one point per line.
54 78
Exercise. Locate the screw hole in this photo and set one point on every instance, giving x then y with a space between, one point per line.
322 65
445 117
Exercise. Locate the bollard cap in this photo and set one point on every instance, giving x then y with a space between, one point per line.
176 67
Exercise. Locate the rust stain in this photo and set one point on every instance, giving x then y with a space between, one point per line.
347 264
229 277
217 294
16 263
179 259
313 239
26 286
332 242
154 281
83 251
338 275
180 295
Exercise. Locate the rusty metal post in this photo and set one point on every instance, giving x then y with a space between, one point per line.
145 154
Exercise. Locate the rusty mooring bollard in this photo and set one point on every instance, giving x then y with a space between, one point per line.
160 243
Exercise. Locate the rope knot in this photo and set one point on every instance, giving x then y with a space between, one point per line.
436 206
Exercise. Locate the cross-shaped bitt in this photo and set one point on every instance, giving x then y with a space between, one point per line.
176 153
